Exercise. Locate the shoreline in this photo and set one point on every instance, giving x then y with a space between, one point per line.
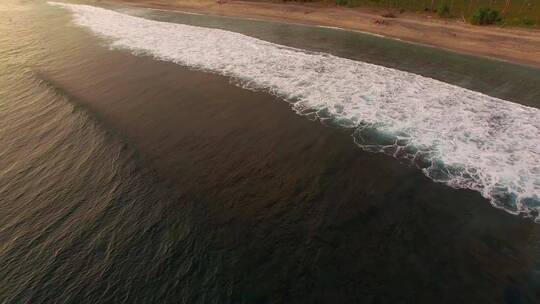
515 45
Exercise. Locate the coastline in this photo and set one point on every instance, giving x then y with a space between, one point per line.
130 178
516 45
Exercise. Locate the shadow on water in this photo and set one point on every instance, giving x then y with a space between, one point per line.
189 189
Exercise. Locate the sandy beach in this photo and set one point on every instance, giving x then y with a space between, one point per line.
510 44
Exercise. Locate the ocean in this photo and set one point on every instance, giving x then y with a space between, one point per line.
163 157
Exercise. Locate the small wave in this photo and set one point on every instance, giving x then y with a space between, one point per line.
456 136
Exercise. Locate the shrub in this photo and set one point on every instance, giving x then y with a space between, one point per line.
485 16
443 10
343 2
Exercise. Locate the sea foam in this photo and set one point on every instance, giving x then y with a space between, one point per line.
457 136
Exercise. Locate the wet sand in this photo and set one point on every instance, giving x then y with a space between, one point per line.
509 44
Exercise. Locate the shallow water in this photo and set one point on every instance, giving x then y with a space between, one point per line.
130 179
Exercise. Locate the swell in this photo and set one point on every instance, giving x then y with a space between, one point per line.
41 127
457 136
73 200
51 134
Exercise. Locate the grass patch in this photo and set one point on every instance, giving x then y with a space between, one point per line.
522 22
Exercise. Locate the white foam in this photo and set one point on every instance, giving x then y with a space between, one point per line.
356 31
461 137
178 11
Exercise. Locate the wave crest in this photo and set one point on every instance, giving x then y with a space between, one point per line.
457 136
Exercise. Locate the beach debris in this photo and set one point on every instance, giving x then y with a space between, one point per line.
388 15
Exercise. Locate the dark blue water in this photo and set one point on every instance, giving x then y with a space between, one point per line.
125 179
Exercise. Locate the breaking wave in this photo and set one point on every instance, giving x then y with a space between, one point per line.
457 136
